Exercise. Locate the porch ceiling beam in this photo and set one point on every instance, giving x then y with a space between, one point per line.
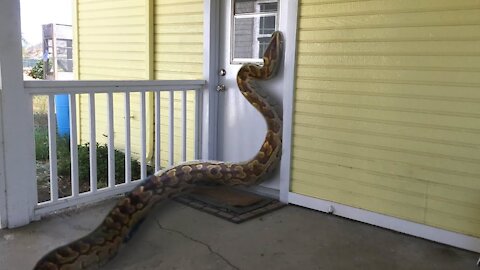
81 87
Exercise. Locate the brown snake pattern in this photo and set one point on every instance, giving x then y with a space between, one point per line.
102 244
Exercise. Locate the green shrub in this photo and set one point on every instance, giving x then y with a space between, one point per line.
37 71
41 144
40 118
42 147
102 165
64 160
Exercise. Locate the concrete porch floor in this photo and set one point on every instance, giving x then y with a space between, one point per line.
178 237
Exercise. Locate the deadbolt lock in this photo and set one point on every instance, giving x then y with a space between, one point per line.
221 88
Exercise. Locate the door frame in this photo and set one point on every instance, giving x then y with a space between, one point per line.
288 26
3 185
288 14
208 100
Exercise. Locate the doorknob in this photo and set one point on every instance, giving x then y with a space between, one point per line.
222 72
221 88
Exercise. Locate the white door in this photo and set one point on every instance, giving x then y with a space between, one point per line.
245 29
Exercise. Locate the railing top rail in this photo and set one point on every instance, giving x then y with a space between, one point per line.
83 87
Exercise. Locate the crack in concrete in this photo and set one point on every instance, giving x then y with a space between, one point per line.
199 242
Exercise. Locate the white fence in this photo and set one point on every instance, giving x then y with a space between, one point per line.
109 88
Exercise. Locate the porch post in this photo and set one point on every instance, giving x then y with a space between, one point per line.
209 100
18 154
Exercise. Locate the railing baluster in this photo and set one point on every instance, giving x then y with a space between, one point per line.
171 130
52 145
93 144
184 125
128 149
198 123
111 142
143 137
157 131
73 145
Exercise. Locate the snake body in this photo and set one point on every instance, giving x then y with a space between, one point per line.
102 244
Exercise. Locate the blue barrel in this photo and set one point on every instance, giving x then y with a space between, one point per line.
62 107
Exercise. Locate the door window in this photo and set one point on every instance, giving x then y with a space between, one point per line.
253 22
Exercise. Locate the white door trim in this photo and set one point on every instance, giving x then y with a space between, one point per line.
288 26
388 222
209 98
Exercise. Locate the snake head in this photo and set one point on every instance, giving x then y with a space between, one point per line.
273 53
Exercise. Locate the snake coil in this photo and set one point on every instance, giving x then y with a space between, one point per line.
99 246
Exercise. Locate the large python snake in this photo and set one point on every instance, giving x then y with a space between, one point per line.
102 244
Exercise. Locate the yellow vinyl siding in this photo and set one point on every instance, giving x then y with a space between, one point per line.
101 121
114 44
178 46
164 127
387 114
112 40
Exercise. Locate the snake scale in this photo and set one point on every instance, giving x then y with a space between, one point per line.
98 247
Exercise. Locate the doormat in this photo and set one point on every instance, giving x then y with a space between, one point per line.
228 203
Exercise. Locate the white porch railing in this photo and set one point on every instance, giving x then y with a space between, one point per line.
91 89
